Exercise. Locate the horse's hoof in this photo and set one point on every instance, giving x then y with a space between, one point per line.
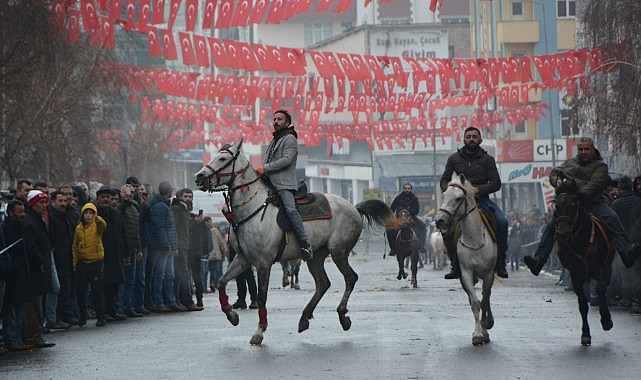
303 324
232 317
477 340
256 340
586 340
346 323
404 275
297 287
607 325
486 337
414 285
399 277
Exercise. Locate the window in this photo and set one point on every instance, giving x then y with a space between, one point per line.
317 32
517 8
566 8
520 127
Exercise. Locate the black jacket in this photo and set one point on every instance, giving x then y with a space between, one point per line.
478 167
407 201
38 248
61 229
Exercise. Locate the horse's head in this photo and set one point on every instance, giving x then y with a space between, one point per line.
404 216
458 201
223 168
566 212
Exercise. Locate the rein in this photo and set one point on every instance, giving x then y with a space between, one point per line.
464 200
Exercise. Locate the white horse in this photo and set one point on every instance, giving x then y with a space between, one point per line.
438 249
257 237
477 251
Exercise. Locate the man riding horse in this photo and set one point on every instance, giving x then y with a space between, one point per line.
407 200
280 166
479 168
592 179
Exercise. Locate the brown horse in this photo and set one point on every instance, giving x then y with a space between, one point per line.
407 245
585 249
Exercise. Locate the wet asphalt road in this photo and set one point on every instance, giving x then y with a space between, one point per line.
397 333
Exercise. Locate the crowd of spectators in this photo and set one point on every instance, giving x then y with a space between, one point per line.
67 257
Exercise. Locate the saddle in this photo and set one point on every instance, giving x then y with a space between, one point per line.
488 220
310 206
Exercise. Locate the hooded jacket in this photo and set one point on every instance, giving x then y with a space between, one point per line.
87 241
591 176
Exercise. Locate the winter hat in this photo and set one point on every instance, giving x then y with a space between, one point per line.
34 196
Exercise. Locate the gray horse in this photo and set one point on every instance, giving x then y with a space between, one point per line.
257 237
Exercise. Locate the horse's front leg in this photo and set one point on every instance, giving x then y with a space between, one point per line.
467 281
414 258
401 270
237 266
601 288
263 285
579 290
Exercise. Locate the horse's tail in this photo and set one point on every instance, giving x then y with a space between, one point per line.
377 212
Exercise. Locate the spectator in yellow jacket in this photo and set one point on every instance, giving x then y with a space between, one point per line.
88 256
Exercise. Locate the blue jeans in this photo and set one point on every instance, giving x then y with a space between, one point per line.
287 199
163 279
204 269
13 324
486 204
51 299
608 215
141 269
216 270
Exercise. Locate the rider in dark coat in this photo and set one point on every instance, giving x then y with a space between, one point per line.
406 200
592 180
480 169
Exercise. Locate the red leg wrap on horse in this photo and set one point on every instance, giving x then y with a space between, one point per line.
262 315
224 300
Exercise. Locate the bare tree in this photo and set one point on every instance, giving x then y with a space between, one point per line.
610 107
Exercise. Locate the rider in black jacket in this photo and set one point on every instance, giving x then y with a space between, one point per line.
406 200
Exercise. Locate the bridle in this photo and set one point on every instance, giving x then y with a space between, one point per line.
462 202
572 221
233 173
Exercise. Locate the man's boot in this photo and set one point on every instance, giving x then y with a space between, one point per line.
455 271
631 254
536 262
500 269
306 251
450 247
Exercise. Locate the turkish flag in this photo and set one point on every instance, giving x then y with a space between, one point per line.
101 3
218 53
296 60
361 68
158 15
208 16
59 15
289 87
319 61
89 16
169 45
226 10
153 43
241 13
292 9
265 89
73 25
278 60
304 6
323 6
202 90
334 65
131 10
275 12
277 97
191 15
249 61
263 57
202 51
258 12
174 7
348 67
108 36
143 16
116 8
187 49
375 66
343 6
233 54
